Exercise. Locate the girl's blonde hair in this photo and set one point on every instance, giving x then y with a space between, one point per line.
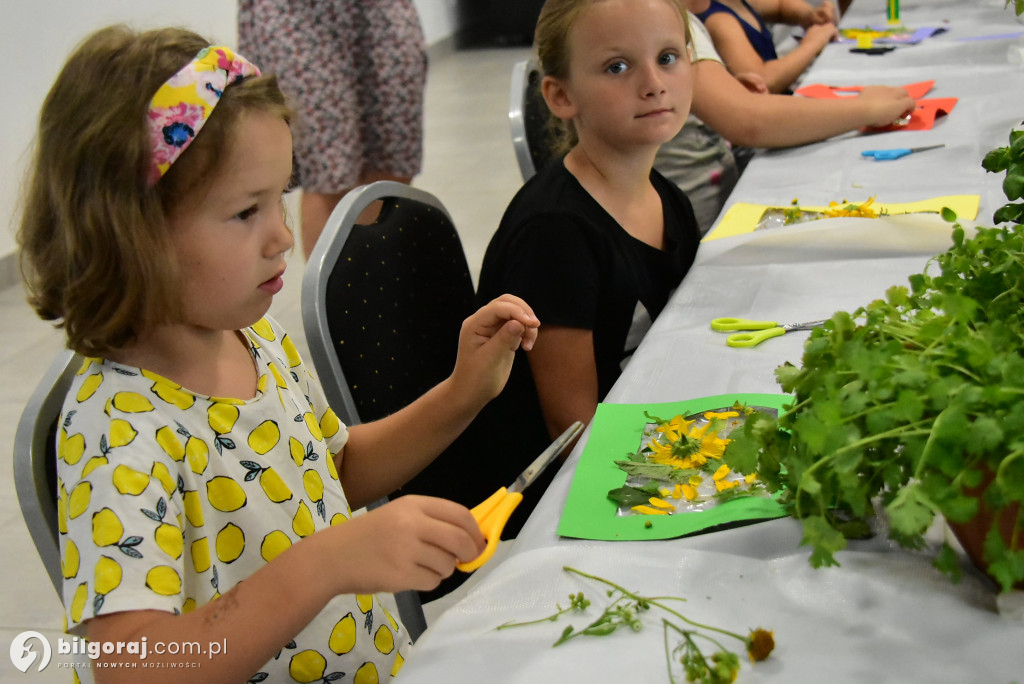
96 253
551 42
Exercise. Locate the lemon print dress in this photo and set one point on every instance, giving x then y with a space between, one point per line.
168 499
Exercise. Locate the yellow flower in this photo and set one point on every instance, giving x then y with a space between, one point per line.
680 444
862 210
760 644
722 485
649 510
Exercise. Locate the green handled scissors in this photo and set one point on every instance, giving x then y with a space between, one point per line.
764 330
493 513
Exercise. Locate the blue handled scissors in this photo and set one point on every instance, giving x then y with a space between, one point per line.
896 152
493 513
764 330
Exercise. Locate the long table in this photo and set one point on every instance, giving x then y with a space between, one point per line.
885 614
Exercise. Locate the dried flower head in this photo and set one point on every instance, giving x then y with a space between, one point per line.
760 644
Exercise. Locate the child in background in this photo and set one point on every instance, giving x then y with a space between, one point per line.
598 240
746 44
205 487
725 110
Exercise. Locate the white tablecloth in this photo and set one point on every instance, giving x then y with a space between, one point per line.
885 614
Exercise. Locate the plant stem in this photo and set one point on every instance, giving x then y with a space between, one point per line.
654 602
549 618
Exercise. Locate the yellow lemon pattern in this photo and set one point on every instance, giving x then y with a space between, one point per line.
160 472
275 487
70 560
303 524
384 640
168 499
164 580
307 666
366 674
225 494
130 481
70 449
274 544
343 637
230 543
108 575
265 437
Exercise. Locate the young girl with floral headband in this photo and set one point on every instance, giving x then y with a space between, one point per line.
205 487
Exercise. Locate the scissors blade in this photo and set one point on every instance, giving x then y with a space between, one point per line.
929 147
803 326
527 477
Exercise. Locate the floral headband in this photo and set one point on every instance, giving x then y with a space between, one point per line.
183 104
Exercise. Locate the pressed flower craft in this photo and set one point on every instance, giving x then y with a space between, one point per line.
679 467
745 217
775 217
675 480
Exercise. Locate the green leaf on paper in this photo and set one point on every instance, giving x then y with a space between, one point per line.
633 496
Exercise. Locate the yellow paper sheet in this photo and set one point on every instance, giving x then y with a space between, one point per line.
743 217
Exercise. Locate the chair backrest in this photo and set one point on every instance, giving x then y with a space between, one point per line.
382 304
528 117
382 307
35 461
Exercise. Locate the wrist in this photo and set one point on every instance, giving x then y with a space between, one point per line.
460 397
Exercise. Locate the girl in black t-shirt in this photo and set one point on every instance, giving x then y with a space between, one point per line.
597 241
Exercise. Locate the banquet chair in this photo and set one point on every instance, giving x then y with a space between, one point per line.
35 461
528 118
382 307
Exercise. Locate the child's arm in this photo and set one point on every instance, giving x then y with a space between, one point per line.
740 56
411 438
411 543
795 12
565 374
753 120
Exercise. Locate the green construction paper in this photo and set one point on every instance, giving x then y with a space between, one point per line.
615 432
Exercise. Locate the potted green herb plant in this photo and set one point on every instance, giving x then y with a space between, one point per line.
914 403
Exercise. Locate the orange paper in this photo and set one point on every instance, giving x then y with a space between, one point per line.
819 90
922 118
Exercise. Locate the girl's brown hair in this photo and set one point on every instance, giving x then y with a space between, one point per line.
551 42
95 242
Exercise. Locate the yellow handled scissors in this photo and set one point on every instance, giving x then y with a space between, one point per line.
764 330
493 513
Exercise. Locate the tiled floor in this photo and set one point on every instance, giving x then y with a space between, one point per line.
468 163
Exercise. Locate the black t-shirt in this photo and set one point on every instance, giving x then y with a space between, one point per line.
559 250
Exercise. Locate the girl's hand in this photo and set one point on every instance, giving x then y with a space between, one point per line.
825 13
412 542
487 345
888 104
753 82
820 35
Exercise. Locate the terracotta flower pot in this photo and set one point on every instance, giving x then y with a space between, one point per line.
971 534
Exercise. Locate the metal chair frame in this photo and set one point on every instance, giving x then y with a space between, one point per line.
517 116
35 461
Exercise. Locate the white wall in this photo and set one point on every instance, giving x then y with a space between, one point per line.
36 37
